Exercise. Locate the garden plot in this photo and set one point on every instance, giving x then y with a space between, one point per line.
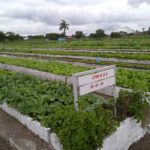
51 102
86 54
97 51
140 43
124 51
78 60
125 78
81 57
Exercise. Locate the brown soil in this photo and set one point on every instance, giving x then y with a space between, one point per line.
11 128
143 144
4 145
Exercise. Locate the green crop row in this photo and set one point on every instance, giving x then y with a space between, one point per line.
51 67
88 61
136 79
51 103
137 42
89 54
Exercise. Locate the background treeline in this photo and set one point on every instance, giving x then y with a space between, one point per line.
100 33
9 36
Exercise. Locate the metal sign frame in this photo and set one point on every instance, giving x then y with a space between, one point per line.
76 76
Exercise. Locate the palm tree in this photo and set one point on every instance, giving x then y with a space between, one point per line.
63 26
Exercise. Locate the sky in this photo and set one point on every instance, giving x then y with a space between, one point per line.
28 17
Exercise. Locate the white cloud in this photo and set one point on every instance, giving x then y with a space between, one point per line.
138 2
42 16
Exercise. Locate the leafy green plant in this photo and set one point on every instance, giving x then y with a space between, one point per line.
132 104
127 42
52 67
134 79
51 103
137 56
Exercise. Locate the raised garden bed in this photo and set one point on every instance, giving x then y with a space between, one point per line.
125 78
51 103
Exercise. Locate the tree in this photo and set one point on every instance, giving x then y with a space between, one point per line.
12 36
149 31
63 26
115 35
53 36
40 37
79 34
92 35
143 29
2 36
100 33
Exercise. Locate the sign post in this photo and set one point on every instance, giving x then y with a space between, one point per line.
93 80
75 92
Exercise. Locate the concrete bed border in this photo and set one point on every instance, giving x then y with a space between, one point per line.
82 57
45 133
37 73
49 76
129 128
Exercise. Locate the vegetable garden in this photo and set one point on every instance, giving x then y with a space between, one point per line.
89 54
51 102
129 42
125 78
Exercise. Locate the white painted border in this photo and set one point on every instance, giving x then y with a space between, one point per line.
126 134
34 126
49 76
40 74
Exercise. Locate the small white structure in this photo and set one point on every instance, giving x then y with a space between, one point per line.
93 80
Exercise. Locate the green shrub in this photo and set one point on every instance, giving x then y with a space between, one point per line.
51 103
132 104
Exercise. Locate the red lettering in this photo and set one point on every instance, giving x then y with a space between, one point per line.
96 85
102 75
92 86
102 83
106 73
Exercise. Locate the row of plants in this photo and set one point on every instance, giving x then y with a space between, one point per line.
51 67
125 77
141 56
51 103
134 79
139 43
88 61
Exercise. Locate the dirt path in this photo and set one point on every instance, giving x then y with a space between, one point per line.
11 128
4 145
143 144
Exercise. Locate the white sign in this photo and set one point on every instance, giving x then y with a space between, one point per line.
96 77
85 89
92 80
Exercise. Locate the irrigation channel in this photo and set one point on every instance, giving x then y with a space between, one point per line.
63 60
99 51
123 51
82 57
